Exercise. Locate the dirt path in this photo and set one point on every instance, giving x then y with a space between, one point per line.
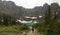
32 33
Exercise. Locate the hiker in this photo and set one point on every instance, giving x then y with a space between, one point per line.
32 29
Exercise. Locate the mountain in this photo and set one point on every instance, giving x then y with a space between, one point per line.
10 8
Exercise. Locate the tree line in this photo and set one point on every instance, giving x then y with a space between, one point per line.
7 20
50 26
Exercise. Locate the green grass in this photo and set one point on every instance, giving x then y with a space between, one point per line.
13 28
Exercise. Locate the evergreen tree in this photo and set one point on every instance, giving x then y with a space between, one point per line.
5 20
52 24
48 20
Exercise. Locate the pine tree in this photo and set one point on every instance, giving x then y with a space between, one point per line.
48 20
5 20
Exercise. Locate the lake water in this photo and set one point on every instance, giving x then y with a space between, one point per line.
29 24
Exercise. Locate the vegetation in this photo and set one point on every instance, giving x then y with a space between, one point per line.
10 25
14 28
9 28
50 26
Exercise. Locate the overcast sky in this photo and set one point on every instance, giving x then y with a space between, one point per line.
33 3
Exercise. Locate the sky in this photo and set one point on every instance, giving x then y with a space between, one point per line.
33 3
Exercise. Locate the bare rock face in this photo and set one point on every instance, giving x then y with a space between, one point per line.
10 8
0 0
